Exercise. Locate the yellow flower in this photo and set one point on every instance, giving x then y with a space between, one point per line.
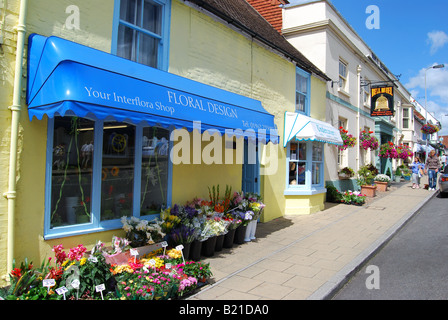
83 261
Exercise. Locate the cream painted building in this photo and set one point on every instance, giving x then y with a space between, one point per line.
319 31
84 144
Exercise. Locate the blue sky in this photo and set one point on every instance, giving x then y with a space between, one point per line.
412 36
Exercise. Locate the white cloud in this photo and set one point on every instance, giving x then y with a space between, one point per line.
437 92
436 83
437 39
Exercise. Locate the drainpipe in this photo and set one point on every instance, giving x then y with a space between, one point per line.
15 109
358 117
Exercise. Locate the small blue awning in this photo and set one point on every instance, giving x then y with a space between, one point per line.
304 128
66 78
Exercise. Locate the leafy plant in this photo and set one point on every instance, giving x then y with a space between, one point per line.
365 176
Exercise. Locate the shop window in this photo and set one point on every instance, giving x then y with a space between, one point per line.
117 172
154 171
71 179
302 92
305 165
102 171
142 31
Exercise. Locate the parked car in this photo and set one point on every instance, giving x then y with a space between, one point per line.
443 182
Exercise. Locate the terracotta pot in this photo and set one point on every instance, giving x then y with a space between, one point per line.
369 191
381 186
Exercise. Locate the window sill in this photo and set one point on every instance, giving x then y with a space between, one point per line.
345 93
304 192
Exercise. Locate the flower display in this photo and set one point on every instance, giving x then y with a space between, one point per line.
353 197
349 141
367 141
404 151
382 178
388 150
142 232
429 128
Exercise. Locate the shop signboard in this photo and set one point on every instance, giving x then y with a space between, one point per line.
382 101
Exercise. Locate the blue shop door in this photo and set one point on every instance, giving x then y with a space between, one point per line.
251 168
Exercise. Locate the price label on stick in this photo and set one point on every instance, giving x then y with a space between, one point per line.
62 290
180 247
164 244
134 253
100 288
48 283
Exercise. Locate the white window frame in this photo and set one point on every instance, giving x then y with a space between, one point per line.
308 188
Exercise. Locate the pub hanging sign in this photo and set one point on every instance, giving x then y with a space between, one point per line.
381 101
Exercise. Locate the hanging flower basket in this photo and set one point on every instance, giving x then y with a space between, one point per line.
429 128
388 150
404 152
348 139
367 141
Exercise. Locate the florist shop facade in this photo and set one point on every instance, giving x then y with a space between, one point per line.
102 137
113 138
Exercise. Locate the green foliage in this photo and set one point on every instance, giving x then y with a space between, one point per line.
333 194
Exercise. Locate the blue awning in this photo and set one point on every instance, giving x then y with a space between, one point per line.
66 78
304 128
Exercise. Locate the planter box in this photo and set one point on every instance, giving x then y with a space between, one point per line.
381 186
369 191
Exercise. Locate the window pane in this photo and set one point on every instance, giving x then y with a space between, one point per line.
405 112
147 51
297 173
316 173
317 151
155 158
301 83
152 17
130 11
300 102
71 175
117 170
302 151
406 123
127 40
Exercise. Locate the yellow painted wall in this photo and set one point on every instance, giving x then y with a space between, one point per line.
201 49
207 51
48 18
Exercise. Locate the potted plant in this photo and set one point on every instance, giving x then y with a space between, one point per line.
381 181
364 180
346 173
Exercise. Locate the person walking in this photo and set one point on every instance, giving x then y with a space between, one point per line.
432 166
417 169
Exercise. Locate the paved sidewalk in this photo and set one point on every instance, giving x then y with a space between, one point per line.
311 256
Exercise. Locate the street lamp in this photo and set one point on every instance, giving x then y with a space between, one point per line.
437 66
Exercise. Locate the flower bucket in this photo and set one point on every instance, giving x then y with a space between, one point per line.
195 250
219 242
186 249
208 247
397 178
253 229
248 231
228 239
381 186
239 234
